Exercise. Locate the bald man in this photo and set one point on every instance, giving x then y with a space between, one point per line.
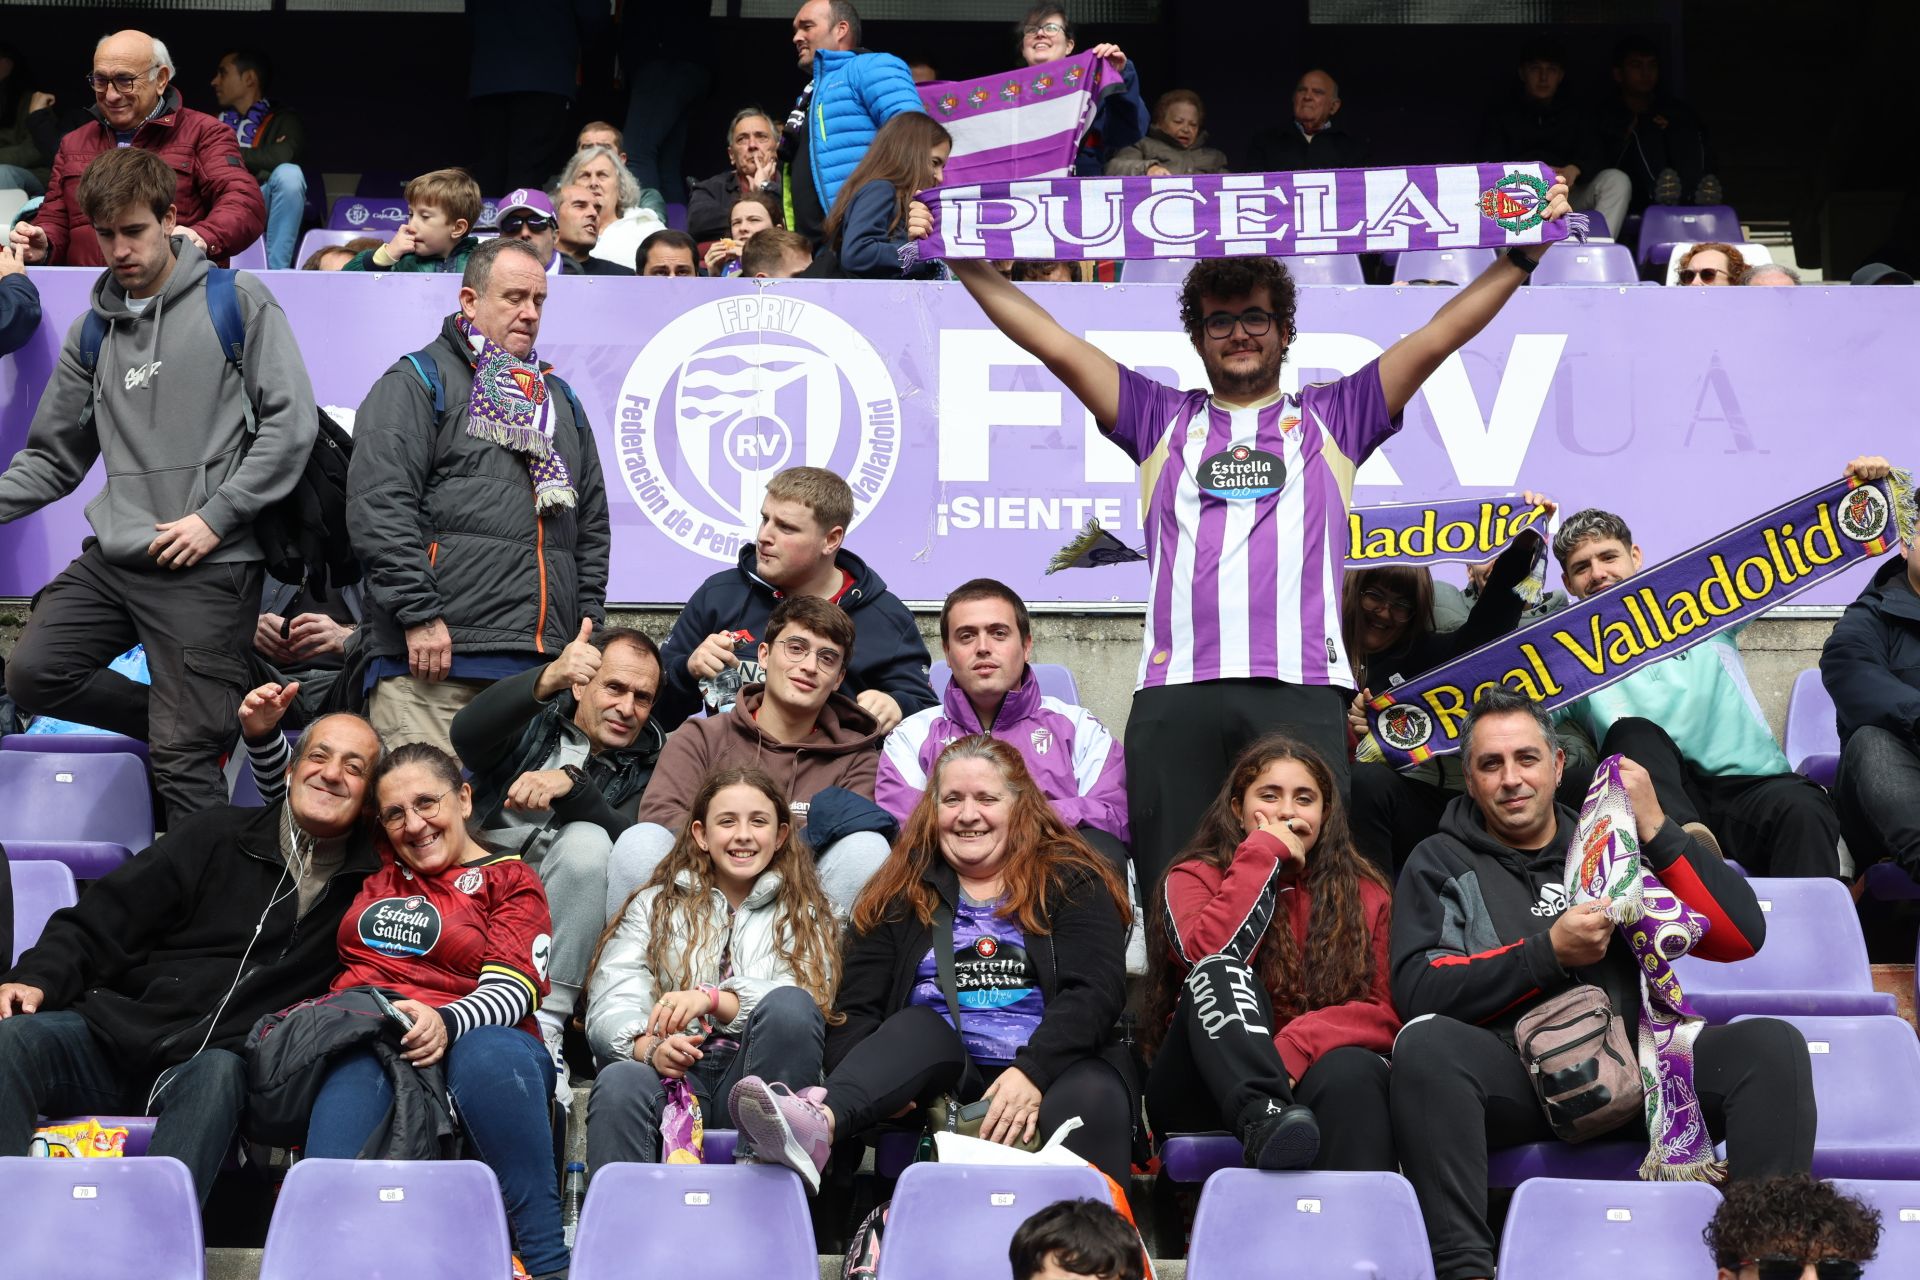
1311 139
135 104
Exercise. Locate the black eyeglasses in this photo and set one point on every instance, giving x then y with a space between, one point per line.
1792 1268
1253 320
1709 274
1044 28
124 82
1399 607
515 223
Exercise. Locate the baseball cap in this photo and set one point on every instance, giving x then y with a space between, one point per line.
528 198
1880 273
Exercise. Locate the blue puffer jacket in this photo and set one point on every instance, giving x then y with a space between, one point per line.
854 93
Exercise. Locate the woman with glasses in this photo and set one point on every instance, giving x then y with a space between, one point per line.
1386 619
460 934
1046 35
1711 264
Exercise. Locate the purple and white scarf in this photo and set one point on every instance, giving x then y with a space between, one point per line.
1447 206
247 127
1604 861
510 405
1025 123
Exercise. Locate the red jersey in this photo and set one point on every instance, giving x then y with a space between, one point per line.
433 938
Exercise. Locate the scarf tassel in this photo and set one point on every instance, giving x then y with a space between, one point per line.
1707 1170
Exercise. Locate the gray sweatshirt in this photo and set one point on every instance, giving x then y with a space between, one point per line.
170 419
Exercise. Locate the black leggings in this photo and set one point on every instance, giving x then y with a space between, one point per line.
1211 1079
915 1055
1459 1089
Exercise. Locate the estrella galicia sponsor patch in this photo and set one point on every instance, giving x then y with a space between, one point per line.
1241 472
989 973
1406 727
400 926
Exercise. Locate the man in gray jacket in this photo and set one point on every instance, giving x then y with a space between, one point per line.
196 446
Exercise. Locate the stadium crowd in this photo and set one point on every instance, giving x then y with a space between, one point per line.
770 869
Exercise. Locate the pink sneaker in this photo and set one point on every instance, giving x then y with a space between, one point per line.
784 1127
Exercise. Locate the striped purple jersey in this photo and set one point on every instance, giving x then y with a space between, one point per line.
1246 520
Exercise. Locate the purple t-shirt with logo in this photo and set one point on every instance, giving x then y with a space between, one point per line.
998 986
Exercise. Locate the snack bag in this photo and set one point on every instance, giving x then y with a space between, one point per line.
79 1140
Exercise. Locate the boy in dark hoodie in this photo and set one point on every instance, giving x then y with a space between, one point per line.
1482 934
798 727
442 207
798 552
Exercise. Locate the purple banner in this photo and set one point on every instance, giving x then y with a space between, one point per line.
1683 410
1024 123
1462 530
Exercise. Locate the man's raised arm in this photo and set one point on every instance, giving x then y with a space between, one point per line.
1089 372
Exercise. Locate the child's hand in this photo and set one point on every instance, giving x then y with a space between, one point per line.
404 242
1159 171
919 221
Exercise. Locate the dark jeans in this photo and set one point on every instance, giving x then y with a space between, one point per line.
525 139
915 1055
1779 824
1107 845
51 1064
502 1081
1459 1089
1391 813
1211 1073
197 625
783 1041
1879 794
664 91
1182 741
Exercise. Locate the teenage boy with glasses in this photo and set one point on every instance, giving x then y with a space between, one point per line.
1793 1227
1245 495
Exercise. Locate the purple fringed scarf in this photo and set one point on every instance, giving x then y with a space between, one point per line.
1447 206
510 406
247 128
1604 861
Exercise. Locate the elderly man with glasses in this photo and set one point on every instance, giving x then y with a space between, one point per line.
219 205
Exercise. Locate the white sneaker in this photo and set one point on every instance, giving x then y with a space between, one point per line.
554 1038
1137 932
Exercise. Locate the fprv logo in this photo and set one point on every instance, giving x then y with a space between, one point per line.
733 391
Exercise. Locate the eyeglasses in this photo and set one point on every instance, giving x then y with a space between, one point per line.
797 650
1399 607
1253 320
515 223
426 808
124 82
1792 1268
1044 29
1709 274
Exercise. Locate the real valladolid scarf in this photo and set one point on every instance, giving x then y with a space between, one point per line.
510 406
1020 124
1447 206
1604 861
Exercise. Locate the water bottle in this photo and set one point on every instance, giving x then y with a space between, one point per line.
576 1191
720 691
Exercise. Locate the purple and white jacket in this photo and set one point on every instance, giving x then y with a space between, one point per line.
1077 763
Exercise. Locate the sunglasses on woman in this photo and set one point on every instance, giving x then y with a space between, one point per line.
1793 1268
1709 274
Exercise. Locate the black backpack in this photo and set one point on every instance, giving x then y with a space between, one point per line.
304 535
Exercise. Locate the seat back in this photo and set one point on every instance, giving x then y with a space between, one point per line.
1456 266
358 1218
758 1210
1056 680
319 238
1814 960
1865 1069
101 1219
91 811
1666 224
1156 271
1899 1206
1326 1224
1586 264
368 215
1566 1229
954 1221
90 744
1813 729
1326 268
40 888
251 258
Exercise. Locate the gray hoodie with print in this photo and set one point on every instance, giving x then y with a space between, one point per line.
169 419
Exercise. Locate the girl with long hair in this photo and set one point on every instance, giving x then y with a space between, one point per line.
875 213
1268 997
1033 925
720 965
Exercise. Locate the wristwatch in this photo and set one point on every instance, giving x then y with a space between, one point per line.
1525 261
579 777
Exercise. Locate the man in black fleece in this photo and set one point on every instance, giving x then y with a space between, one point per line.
1482 933
137 1001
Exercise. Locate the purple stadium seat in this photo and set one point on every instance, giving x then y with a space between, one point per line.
1056 681
75 743
1575 264
356 1218
368 215
1866 1073
1195 1157
251 258
1326 268
1899 1206
1814 959
101 1219
1325 1224
756 1215
1156 271
717 1145
938 1206
39 889
1662 226
1564 1229
1457 266
1812 731
92 812
677 217
893 1151
1597 228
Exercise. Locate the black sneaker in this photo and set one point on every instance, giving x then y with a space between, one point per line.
1286 1137
1666 187
1709 191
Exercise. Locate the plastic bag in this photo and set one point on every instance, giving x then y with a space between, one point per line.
79 1140
132 664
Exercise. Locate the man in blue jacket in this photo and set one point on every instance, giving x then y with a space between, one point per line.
852 93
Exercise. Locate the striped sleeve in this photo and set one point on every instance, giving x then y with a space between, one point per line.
503 999
269 761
